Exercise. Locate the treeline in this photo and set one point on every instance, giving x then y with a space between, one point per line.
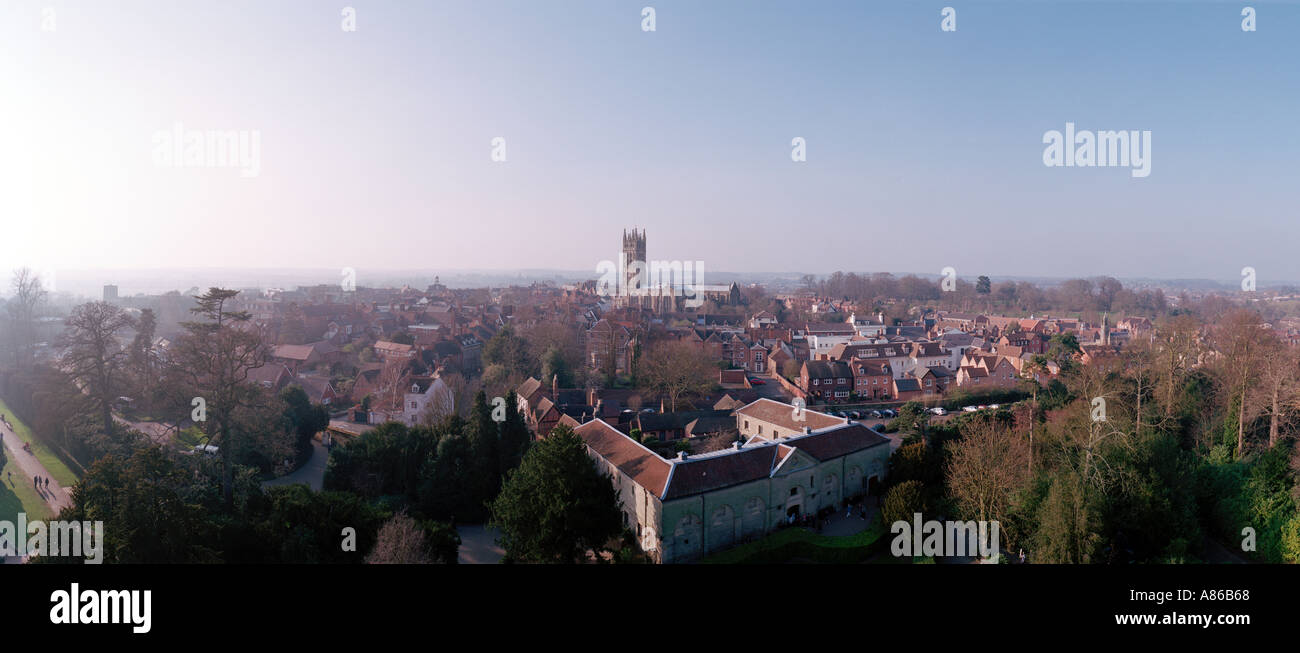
1167 453
873 291
447 472
63 416
159 508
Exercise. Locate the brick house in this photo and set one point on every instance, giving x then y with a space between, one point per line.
873 380
826 380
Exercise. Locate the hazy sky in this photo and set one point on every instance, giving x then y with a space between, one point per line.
924 148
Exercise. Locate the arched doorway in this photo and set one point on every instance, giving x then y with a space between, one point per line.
794 504
754 521
722 528
830 493
853 481
687 538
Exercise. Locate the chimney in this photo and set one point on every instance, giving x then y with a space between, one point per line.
736 445
681 455
807 429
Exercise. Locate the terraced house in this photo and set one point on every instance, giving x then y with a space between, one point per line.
793 462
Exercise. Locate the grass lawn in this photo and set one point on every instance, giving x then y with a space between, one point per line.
52 463
21 497
803 544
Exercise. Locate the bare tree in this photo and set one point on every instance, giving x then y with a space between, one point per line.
92 354
400 541
1279 383
1239 340
986 467
677 369
394 380
24 308
1178 346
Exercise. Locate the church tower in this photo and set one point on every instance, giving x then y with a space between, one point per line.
634 260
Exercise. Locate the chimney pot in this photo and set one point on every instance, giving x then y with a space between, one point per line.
681 455
807 429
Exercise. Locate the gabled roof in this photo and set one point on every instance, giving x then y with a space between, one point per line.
828 369
713 472
906 384
644 466
527 388
292 352
782 414
834 442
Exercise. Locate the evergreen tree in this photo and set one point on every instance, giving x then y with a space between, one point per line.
556 507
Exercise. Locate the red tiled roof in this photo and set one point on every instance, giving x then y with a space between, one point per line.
696 475
644 466
833 443
292 352
782 414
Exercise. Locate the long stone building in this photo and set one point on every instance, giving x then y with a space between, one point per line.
792 463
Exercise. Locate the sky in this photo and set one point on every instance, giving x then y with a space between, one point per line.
924 148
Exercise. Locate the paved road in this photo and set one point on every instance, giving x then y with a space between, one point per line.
56 497
772 389
159 432
478 546
312 473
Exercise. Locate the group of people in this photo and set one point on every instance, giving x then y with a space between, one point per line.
37 482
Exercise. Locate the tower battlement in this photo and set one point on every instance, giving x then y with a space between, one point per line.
634 241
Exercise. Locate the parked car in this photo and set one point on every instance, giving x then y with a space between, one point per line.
855 414
757 382
968 409
888 412
995 406
875 413
939 410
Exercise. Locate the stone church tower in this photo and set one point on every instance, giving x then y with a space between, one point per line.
633 260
